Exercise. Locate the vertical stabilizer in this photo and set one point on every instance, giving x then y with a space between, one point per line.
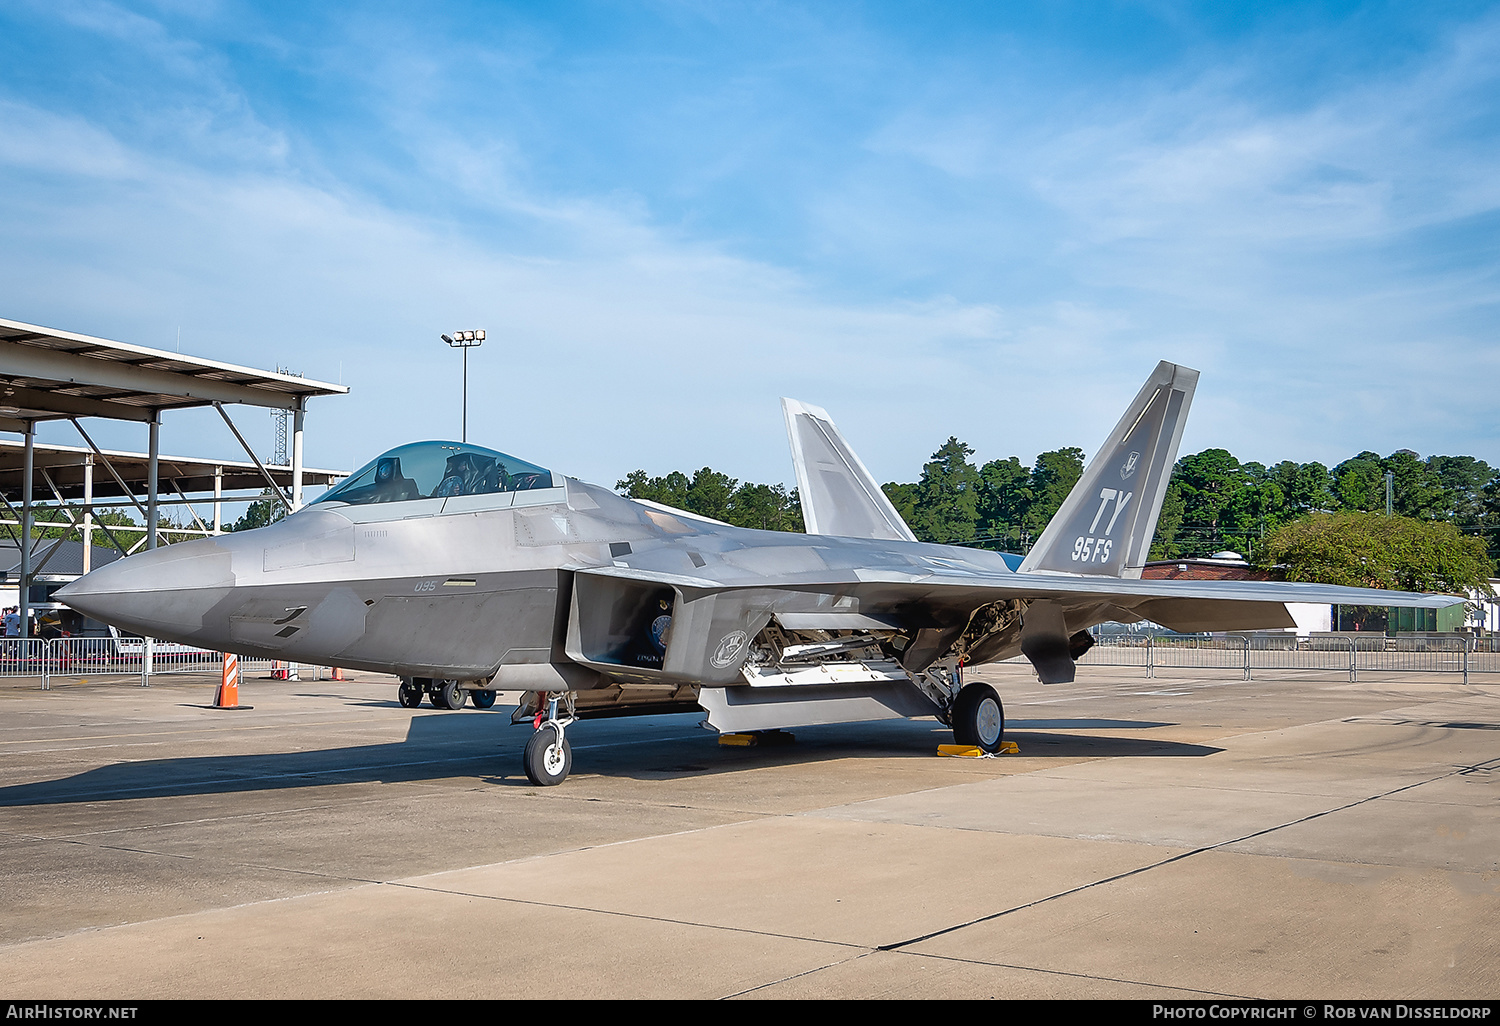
839 497
1106 524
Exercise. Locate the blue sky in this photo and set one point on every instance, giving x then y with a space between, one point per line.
983 220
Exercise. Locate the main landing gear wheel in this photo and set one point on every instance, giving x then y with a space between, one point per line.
548 757
448 695
409 694
979 718
482 698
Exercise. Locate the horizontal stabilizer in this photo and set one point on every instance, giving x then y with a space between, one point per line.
1105 525
839 497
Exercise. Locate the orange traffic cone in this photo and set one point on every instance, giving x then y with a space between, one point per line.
338 674
228 696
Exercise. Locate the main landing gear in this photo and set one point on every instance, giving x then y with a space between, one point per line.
979 717
445 694
548 757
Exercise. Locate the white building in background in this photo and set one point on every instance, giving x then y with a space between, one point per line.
1311 617
1486 616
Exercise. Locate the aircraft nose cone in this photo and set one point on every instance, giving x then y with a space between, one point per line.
163 593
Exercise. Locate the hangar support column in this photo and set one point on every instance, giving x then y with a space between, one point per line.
297 455
152 451
88 512
27 472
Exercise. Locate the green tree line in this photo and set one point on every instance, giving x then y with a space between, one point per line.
710 493
1310 521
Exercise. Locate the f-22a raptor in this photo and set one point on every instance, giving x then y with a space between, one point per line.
464 571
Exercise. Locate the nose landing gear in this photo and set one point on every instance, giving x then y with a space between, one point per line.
548 757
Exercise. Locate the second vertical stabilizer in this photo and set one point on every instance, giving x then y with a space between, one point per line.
839 497
1105 525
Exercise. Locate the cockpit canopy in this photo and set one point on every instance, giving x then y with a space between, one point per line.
435 470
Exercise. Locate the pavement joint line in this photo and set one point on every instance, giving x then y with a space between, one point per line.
562 906
1079 976
1184 855
237 865
796 976
997 965
227 818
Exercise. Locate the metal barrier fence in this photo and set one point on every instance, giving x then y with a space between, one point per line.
1240 653
137 658
1341 653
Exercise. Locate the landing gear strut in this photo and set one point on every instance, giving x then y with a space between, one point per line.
548 757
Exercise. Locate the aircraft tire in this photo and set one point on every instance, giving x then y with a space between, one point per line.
482 698
548 758
449 696
409 694
979 717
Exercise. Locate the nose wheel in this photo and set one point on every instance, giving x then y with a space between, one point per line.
548 758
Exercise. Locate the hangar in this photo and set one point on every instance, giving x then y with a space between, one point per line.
52 375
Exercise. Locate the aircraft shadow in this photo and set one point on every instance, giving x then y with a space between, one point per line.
885 739
484 745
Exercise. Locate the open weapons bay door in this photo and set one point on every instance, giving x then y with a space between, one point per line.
656 628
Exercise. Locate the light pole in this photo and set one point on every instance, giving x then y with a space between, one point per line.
465 340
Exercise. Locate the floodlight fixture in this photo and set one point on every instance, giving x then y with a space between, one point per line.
465 340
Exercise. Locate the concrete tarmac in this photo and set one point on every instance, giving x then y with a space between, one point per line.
1189 837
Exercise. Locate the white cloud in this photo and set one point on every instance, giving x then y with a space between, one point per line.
1005 278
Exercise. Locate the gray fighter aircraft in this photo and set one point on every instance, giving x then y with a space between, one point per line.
464 571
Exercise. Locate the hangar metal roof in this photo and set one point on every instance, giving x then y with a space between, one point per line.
46 374
63 559
65 463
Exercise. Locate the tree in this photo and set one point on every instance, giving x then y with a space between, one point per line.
710 493
264 511
766 508
1209 482
1052 478
1004 497
1371 550
904 498
1002 505
1305 487
947 496
1165 545
1359 483
669 490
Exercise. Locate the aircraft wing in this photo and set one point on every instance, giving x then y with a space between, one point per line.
950 606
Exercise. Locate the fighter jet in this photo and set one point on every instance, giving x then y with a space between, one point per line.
463 571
